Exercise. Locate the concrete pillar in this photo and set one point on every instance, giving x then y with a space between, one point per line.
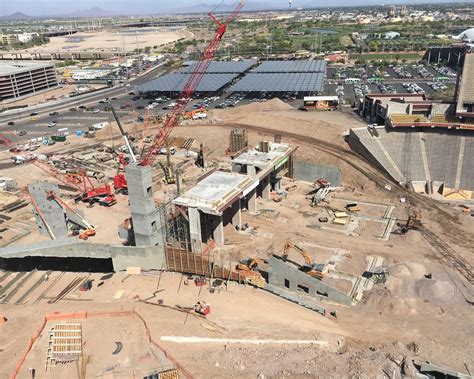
219 231
251 171
266 188
195 229
236 213
277 184
252 201
148 226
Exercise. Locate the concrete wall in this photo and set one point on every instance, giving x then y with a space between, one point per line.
280 271
51 210
146 257
309 172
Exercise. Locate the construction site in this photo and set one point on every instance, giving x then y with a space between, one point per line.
260 242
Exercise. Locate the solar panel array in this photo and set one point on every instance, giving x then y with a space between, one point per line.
270 82
291 66
176 82
222 67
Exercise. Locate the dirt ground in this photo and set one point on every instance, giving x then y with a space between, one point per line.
96 40
409 317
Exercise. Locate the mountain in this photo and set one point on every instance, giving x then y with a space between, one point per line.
91 12
205 7
17 16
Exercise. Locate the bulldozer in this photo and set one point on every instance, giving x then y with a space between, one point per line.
309 266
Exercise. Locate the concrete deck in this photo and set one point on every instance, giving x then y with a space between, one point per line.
216 192
278 152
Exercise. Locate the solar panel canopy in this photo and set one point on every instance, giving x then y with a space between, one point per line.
271 82
222 67
176 82
291 66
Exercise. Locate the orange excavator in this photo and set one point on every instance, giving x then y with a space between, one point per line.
250 264
309 266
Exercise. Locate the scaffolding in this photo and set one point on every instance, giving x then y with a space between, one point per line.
239 140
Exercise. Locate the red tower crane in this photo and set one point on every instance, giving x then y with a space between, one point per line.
190 86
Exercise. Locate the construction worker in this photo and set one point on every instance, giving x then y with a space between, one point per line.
46 277
33 372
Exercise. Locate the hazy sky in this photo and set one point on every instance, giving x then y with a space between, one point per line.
52 7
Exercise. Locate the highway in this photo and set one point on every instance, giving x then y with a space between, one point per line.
37 126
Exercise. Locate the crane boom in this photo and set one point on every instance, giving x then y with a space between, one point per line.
190 86
123 133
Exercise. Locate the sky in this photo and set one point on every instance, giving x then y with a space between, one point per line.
57 7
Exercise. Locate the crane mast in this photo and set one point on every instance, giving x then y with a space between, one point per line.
190 86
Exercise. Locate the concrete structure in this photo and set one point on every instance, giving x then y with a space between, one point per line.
288 276
215 201
118 257
18 79
51 212
431 156
465 103
309 172
268 164
148 227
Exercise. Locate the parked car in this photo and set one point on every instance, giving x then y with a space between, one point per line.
11 123
51 124
96 111
22 133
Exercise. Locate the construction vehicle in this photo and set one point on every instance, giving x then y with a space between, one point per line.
309 267
170 178
202 308
200 158
413 222
89 230
120 181
102 195
249 264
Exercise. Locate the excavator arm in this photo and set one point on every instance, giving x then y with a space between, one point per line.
307 258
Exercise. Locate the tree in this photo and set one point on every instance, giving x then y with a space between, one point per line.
373 46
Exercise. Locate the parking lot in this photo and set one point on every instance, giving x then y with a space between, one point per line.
351 83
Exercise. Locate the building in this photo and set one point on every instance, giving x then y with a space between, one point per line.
321 103
27 37
9 39
19 79
466 36
392 35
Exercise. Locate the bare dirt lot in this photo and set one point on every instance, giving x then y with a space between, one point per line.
111 40
420 313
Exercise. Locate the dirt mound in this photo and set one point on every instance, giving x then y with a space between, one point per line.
408 269
230 114
270 105
437 291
